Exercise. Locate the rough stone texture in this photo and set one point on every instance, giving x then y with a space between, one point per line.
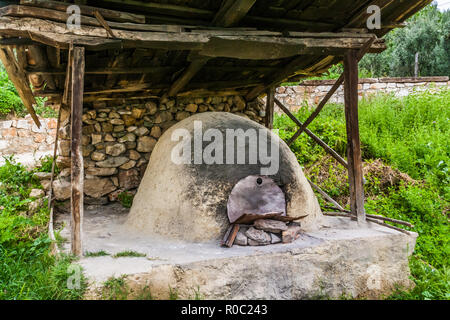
114 135
259 236
291 234
97 188
18 138
241 239
338 258
189 201
314 91
270 225
61 189
275 238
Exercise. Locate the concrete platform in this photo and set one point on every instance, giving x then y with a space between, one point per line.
338 259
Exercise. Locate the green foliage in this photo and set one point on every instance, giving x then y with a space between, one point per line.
10 102
100 253
430 283
28 271
129 253
426 33
126 199
45 165
115 289
410 134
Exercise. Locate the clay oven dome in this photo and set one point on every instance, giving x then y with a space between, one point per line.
189 201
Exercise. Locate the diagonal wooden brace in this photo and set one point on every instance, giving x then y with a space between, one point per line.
333 89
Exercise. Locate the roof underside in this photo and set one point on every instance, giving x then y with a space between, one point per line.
188 47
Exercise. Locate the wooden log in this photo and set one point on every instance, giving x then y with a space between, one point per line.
20 81
77 167
113 15
354 159
319 141
232 236
330 93
270 108
388 226
60 16
242 47
346 213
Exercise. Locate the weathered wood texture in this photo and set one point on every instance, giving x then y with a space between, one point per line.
270 103
330 93
266 42
20 81
77 167
354 158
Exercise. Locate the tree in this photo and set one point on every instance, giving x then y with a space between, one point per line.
427 33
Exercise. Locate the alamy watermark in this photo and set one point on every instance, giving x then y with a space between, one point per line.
74 20
234 146
374 20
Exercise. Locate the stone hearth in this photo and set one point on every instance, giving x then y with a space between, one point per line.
338 258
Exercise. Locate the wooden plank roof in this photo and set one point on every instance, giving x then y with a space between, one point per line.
144 49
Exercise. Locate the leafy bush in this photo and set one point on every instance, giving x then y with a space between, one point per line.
28 271
426 33
410 134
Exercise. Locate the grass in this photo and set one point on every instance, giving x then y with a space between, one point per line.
408 136
129 253
11 104
28 271
100 253
126 199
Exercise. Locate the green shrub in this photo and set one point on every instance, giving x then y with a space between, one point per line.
410 134
28 271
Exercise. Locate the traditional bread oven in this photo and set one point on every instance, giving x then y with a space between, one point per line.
257 212
188 201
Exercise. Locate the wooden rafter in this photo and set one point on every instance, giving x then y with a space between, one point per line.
230 16
232 12
87 10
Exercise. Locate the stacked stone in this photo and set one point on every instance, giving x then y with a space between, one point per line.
266 231
23 136
118 141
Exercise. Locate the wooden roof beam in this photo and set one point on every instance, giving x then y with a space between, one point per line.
87 10
232 12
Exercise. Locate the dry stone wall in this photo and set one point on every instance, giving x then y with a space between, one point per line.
312 92
23 139
118 140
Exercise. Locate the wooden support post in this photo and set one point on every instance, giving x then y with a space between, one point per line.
78 66
355 173
269 107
